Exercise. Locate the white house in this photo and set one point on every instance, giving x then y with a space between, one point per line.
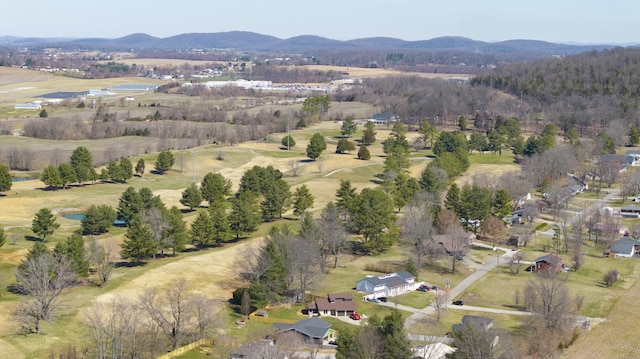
387 285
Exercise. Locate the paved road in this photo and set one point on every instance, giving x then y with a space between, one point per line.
491 263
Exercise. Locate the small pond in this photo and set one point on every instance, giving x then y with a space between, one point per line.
80 217
21 179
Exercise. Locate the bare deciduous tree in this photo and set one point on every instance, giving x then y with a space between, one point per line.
294 167
440 303
101 259
334 235
42 279
515 262
547 297
168 309
304 261
418 230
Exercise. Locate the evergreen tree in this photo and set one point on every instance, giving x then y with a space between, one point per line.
126 168
67 174
5 179
191 197
51 177
452 200
475 205
177 235
363 153
221 230
215 188
634 135
345 145
316 146
82 163
276 200
164 162
349 127
98 219
245 215
201 230
43 113
138 243
396 344
433 180
478 142
129 205
288 142
371 213
345 194
405 188
302 200
140 167
44 223
369 133
429 133
462 123
501 205
115 171
3 237
73 248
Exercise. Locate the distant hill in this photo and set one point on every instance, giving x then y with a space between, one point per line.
254 42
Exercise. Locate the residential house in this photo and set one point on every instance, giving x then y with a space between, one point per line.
334 305
314 331
547 263
383 118
609 227
633 157
619 162
630 211
387 285
455 247
483 323
432 351
625 247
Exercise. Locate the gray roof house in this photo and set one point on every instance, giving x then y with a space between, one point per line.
633 157
625 247
311 331
387 285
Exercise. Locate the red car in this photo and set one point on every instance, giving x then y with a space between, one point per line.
355 316
424 288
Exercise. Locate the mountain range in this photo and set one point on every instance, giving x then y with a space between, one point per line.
254 42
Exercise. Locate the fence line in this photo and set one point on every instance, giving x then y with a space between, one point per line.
186 348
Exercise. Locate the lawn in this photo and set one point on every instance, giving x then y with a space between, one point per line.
498 288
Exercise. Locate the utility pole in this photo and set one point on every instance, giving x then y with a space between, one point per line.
287 136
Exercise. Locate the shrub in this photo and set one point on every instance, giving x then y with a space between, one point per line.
611 277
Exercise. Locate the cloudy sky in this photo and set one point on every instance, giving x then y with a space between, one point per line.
580 21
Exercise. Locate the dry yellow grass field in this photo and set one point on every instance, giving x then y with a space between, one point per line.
378 72
617 337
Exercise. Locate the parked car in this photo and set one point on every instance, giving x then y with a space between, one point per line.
355 316
458 302
424 288
374 300
383 299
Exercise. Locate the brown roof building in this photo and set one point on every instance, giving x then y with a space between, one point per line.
335 305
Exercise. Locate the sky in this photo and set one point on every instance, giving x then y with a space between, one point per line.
566 21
